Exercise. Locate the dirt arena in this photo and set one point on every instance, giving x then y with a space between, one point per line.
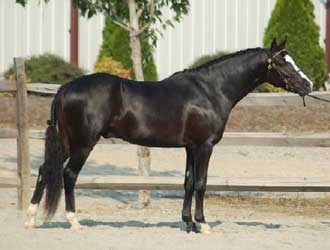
239 220
113 223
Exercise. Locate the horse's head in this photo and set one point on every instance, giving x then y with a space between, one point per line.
284 73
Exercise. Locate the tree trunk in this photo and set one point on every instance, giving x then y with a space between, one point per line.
143 153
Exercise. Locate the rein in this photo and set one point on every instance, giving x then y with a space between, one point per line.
318 98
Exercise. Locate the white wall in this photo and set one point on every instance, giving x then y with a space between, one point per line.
218 25
40 28
212 25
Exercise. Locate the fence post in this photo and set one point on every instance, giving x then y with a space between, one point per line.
144 170
23 161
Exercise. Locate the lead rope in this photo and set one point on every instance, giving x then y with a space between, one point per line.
318 98
304 103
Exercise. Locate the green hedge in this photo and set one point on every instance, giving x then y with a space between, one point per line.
116 45
48 68
294 19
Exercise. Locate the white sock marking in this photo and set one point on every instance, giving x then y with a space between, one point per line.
72 219
31 213
203 228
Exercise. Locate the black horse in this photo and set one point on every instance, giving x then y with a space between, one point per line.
189 109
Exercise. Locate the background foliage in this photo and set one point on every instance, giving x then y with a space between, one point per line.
108 65
116 45
117 10
48 68
294 19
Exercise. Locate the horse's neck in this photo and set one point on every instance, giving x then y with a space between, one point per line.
235 81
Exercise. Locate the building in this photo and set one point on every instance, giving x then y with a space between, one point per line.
212 25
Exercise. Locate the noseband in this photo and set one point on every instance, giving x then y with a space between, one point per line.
272 65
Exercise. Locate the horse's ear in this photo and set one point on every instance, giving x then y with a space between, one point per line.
273 47
283 43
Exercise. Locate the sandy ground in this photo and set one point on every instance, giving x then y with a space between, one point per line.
117 224
113 220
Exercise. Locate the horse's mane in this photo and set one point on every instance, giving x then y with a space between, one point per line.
219 59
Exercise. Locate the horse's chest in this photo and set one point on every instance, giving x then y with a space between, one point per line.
203 125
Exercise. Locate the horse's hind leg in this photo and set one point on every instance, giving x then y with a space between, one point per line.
70 174
189 191
36 198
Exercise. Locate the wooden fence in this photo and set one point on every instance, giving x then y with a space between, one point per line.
24 182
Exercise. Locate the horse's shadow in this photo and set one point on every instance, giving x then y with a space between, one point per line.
122 224
142 224
327 223
256 223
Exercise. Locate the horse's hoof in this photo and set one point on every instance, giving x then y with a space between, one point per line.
204 228
191 227
77 227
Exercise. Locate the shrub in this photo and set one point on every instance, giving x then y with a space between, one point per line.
267 87
116 45
108 65
48 68
294 19
206 58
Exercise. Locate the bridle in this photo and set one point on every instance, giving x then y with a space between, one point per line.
272 65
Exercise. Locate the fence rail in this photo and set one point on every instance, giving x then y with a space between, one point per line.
255 184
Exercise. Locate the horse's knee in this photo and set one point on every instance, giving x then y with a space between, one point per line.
200 186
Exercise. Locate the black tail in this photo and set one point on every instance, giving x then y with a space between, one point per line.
53 165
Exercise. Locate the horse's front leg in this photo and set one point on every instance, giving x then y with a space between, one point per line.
189 191
202 157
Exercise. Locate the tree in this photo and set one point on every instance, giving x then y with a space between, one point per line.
294 19
137 17
115 44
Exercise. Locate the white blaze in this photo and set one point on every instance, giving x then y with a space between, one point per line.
290 60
